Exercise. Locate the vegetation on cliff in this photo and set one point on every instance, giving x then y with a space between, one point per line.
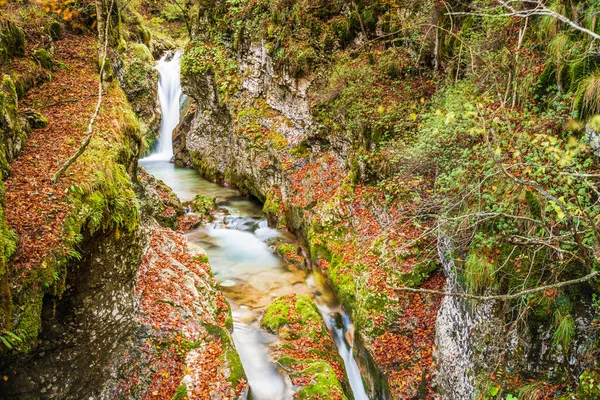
376 130
471 121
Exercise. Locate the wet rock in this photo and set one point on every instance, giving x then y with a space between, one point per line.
163 204
306 352
181 155
85 331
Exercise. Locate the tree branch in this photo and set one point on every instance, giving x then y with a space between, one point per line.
502 297
540 9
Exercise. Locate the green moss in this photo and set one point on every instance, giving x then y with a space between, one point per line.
30 323
232 359
276 315
294 309
55 30
202 205
296 318
140 51
202 259
324 383
343 280
11 130
181 393
44 59
8 245
273 208
229 357
12 41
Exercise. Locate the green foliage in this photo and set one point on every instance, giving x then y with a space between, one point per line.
181 393
205 58
532 391
587 100
589 384
565 331
9 339
365 98
478 273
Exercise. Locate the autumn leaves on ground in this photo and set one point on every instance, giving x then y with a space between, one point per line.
167 280
37 209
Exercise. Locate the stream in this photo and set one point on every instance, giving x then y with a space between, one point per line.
239 244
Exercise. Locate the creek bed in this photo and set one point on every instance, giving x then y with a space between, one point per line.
239 244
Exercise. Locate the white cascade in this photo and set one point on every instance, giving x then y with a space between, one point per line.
169 94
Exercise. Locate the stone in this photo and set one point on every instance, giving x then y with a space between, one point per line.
56 30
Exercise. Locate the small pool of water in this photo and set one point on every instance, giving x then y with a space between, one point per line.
239 247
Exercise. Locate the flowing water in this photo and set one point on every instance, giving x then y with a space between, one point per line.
169 95
240 245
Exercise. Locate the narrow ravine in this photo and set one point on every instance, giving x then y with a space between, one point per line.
240 247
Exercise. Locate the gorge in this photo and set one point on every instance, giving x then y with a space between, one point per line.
292 199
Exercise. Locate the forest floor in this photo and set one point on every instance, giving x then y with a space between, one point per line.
37 209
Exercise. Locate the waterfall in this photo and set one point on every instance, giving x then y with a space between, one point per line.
345 349
352 370
169 94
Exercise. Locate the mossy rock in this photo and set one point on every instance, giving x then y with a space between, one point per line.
12 41
44 59
291 310
55 30
35 119
324 382
292 254
202 205
139 79
162 203
306 348
12 130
